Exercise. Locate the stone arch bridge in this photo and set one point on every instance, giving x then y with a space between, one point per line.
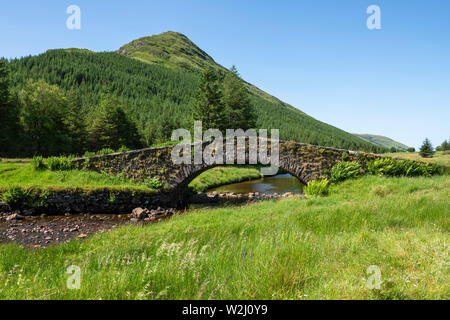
304 161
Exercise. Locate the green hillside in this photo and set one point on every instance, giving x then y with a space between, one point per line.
157 93
383 141
176 51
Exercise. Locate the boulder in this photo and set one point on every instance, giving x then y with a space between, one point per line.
14 216
140 213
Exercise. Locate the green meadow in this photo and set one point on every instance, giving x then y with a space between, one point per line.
318 248
19 172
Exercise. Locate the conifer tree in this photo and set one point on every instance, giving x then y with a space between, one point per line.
208 106
111 127
426 150
238 107
76 122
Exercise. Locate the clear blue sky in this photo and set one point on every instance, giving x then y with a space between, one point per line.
317 55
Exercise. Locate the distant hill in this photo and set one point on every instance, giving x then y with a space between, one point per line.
383 141
156 77
176 51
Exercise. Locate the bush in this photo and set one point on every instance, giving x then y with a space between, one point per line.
105 151
317 188
88 154
345 170
411 149
59 163
396 168
16 196
38 163
123 149
153 183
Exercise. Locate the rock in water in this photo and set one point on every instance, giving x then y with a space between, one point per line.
140 213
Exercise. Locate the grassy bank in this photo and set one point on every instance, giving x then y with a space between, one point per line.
21 173
25 176
440 157
223 175
289 249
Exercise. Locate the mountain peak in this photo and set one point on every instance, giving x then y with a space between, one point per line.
171 49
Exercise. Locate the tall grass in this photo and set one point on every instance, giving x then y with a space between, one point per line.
288 249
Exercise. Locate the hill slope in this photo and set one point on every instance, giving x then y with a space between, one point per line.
382 141
157 93
176 51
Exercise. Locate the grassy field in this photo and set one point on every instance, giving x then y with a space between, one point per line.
288 249
223 175
25 176
439 157
18 172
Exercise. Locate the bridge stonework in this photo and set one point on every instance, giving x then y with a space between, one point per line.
304 161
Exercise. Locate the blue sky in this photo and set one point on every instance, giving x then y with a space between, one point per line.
317 55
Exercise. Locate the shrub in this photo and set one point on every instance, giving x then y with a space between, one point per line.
345 170
153 183
317 188
411 149
105 151
59 163
123 149
88 154
15 196
408 168
38 163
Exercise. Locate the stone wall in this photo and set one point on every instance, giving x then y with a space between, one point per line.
75 201
304 161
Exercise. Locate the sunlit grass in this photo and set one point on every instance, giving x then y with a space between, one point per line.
287 249
439 157
25 176
224 175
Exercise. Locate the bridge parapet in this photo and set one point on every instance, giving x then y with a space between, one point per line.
304 161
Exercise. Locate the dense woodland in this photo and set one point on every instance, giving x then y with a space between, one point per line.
72 101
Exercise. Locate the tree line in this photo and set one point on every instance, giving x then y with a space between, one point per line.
223 102
89 98
41 119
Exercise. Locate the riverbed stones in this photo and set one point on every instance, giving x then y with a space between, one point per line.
4 207
147 215
15 216
140 213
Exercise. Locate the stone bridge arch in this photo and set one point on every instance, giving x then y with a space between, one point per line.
304 161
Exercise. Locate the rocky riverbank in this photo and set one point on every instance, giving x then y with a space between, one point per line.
215 197
40 231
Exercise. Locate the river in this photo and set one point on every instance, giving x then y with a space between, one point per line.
280 184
